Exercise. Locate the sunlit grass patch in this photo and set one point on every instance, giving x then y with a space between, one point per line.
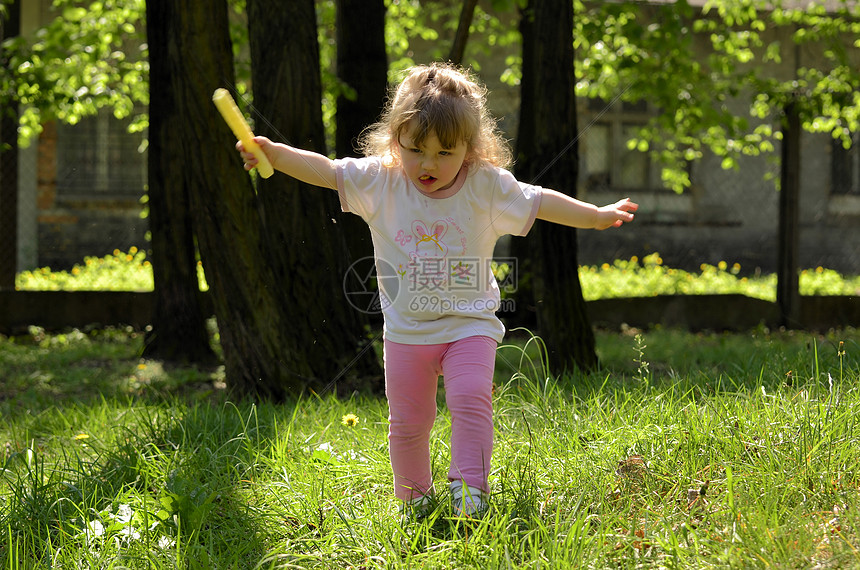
131 271
118 271
705 450
648 277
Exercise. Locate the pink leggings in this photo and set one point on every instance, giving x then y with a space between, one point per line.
411 377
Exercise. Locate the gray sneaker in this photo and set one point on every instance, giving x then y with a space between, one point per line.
468 501
416 509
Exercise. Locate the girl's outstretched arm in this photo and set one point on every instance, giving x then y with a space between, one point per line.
307 166
561 209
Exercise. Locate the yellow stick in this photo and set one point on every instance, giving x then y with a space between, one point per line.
237 123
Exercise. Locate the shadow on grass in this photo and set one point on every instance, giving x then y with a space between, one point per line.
111 453
171 484
129 459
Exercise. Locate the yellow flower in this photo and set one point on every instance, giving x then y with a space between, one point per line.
133 250
349 420
141 366
81 436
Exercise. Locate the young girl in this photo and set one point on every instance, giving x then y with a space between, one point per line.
435 194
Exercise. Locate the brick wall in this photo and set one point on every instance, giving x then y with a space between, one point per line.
73 224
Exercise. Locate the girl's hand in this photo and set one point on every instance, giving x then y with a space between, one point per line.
614 215
249 159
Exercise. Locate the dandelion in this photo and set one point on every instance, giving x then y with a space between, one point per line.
349 420
81 436
141 366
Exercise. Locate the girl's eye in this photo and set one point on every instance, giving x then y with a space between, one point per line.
444 153
415 150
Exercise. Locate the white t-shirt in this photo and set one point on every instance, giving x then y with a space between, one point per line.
433 251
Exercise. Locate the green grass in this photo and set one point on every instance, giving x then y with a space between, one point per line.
118 271
646 277
623 278
685 451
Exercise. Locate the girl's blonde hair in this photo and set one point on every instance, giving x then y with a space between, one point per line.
443 100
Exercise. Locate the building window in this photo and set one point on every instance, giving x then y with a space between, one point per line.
605 161
845 167
99 158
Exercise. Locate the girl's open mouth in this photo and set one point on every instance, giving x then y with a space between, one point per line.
426 179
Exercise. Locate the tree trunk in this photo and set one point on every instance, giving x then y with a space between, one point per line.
547 155
178 323
224 210
325 340
788 279
461 38
362 66
10 26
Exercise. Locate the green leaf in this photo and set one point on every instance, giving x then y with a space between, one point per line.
322 456
74 13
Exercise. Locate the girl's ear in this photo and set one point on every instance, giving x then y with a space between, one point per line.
393 145
392 157
471 155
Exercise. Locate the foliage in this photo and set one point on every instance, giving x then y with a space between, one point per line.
425 27
738 451
726 103
94 55
648 277
118 271
130 271
91 55
638 52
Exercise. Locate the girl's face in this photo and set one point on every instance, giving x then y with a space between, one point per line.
428 165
